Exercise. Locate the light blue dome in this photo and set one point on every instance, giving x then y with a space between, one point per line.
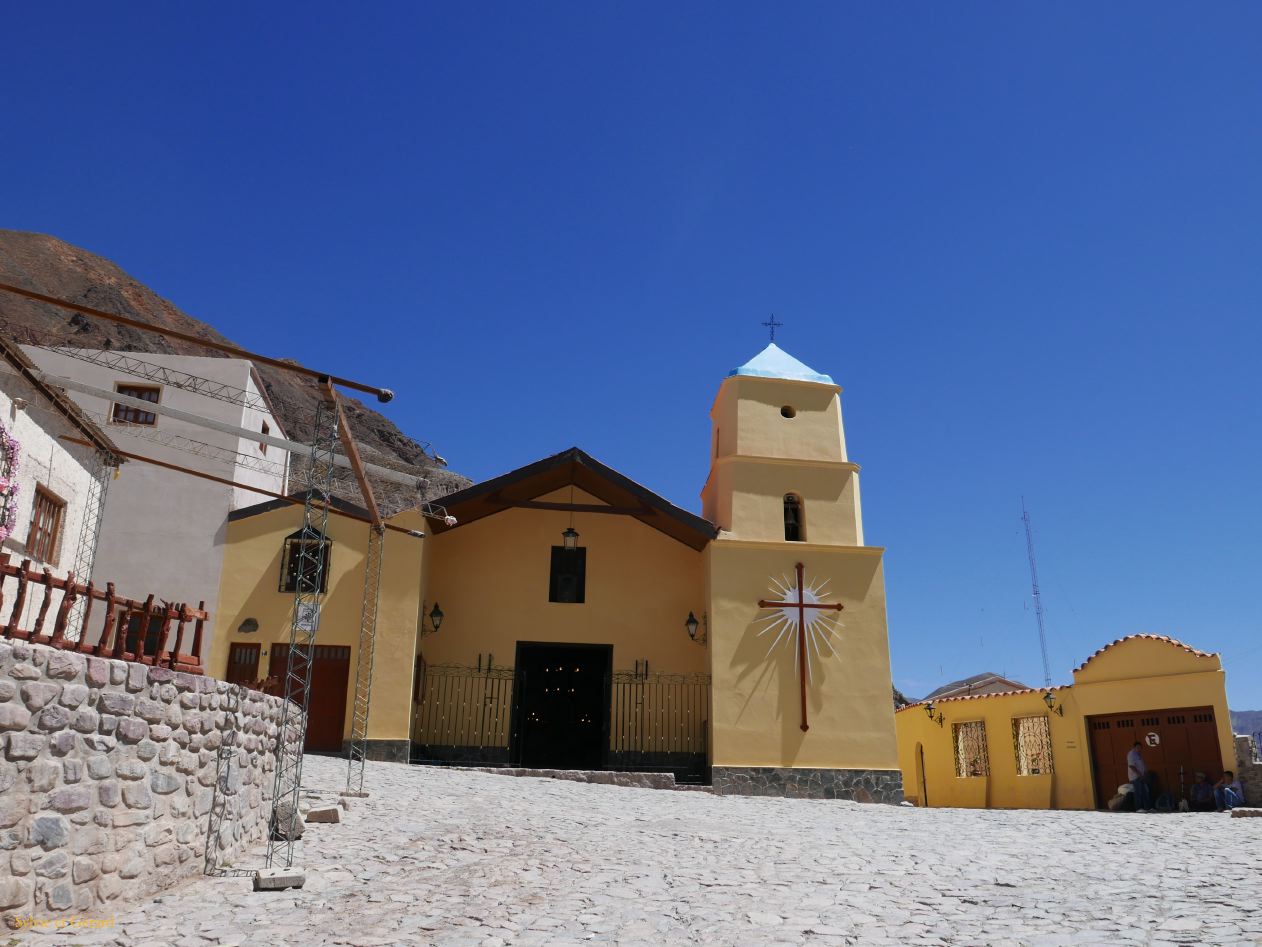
775 362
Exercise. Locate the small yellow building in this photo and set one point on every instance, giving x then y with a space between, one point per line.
1065 748
571 618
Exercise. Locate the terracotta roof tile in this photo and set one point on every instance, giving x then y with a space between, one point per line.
1023 690
1166 638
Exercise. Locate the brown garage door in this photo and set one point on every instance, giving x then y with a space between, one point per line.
330 671
1180 738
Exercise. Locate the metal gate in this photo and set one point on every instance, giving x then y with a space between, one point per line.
657 722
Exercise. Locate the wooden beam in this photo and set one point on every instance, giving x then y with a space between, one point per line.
577 507
352 452
232 483
382 394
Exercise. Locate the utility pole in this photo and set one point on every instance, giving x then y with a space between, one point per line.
1038 598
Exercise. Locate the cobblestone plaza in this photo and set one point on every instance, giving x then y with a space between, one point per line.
453 858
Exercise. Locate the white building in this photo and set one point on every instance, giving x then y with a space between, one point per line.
45 481
164 530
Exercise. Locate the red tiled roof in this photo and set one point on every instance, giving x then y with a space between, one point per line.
1166 638
1023 690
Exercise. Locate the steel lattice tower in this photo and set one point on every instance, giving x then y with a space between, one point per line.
291 732
102 470
364 668
1038 597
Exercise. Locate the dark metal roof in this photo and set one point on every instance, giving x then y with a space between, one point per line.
580 469
268 505
974 685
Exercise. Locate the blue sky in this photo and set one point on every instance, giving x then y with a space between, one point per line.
1025 239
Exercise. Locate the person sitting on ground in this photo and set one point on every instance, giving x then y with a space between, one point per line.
1228 793
1202 794
1137 772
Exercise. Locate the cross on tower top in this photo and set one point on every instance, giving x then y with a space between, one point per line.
772 324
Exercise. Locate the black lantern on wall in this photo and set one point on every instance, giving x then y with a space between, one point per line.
691 625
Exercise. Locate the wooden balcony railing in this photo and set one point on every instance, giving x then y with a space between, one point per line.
126 628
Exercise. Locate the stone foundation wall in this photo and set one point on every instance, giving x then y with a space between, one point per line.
1248 770
858 785
108 775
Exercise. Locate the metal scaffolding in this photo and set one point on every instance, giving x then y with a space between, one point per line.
358 749
305 623
103 468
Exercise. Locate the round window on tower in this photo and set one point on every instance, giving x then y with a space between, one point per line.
788 411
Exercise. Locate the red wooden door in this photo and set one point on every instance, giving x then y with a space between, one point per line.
330 672
1175 743
243 663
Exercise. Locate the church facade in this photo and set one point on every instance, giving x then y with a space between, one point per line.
573 619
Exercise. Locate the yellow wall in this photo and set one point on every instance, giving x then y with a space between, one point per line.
491 579
250 589
756 695
770 455
1134 675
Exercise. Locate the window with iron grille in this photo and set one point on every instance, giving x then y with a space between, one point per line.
309 557
46 519
129 414
1032 741
971 758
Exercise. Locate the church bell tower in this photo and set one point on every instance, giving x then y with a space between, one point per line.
802 694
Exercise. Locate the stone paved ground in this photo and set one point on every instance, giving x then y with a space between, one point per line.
452 858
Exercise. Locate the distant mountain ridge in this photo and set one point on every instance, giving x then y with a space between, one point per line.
53 267
1246 721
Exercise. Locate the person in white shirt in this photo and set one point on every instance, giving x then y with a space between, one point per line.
1137 772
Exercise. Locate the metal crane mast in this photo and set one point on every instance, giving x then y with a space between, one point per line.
1038 598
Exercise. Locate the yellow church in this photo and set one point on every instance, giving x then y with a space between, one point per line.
573 619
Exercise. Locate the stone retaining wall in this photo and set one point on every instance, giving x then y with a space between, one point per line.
108 775
858 785
1248 770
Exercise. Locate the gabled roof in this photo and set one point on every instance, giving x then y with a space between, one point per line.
574 467
335 503
58 399
977 684
775 362
1164 638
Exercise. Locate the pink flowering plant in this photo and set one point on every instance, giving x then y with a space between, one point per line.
10 454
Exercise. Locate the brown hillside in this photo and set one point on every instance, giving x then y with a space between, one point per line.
55 268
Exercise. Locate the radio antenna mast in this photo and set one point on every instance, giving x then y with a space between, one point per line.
1038 598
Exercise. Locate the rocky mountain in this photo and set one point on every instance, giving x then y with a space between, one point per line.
1246 721
53 267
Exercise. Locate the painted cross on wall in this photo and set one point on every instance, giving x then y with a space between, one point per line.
801 614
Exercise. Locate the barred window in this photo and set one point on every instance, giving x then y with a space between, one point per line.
1032 742
129 414
971 758
306 557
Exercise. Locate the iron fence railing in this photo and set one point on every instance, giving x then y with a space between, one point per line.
657 722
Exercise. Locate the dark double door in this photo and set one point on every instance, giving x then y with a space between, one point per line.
561 705
1176 743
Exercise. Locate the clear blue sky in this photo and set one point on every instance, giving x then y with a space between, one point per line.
1025 239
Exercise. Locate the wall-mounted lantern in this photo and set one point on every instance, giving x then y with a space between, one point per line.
940 718
1050 699
691 625
435 617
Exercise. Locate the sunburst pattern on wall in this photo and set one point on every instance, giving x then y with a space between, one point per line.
798 609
